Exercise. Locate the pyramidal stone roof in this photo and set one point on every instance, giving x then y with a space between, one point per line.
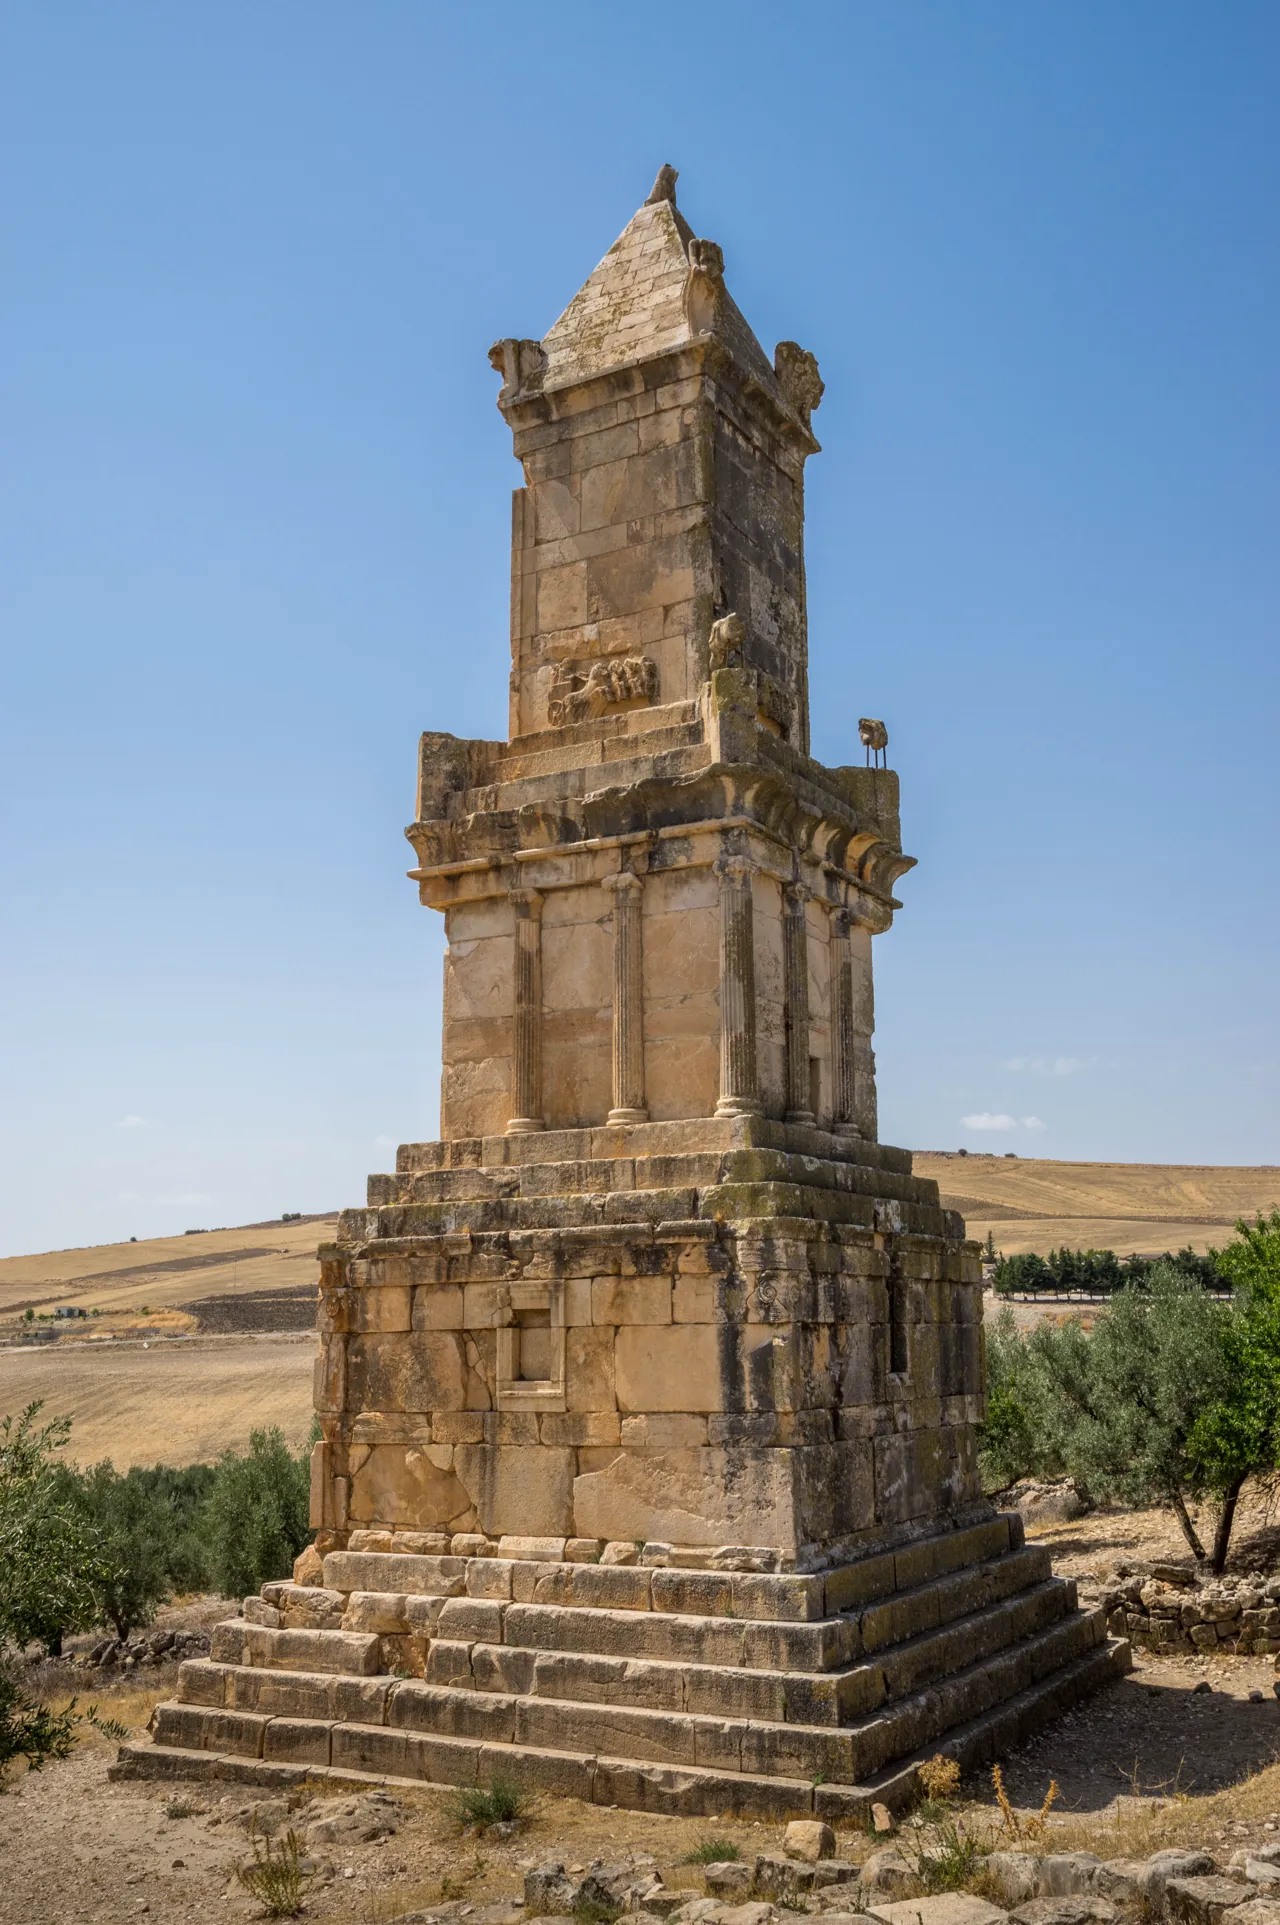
636 304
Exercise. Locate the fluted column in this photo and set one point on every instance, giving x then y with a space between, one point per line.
526 1039
843 1041
795 990
738 1091
628 999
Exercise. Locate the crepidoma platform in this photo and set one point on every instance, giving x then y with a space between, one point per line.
648 1393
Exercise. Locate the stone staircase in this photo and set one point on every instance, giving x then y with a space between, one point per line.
680 1690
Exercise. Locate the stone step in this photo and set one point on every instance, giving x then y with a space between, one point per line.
834 1698
891 1595
642 1141
345 1653
981 1714
827 1645
643 1207
601 1176
781 1696
841 1753
598 1175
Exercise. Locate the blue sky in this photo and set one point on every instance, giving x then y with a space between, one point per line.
255 522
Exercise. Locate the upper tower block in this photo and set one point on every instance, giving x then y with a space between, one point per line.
664 488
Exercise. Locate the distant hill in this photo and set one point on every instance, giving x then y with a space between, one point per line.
1033 1203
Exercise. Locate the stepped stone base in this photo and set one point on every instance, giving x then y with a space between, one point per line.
662 1689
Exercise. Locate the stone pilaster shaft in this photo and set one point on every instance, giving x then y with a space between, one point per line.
628 999
526 1037
738 1082
795 980
844 1042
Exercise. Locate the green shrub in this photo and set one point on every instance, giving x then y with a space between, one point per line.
1172 1397
256 1518
53 1564
29 1729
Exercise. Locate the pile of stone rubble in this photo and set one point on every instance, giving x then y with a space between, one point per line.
1165 1609
158 1647
1055 1888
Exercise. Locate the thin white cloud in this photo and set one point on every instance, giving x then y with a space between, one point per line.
182 1197
132 1122
129 1196
1051 1065
1032 1123
385 1143
985 1120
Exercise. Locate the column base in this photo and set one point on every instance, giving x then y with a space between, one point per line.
524 1126
806 1117
616 1117
850 1130
738 1106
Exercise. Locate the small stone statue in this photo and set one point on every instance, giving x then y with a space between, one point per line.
724 644
874 737
797 375
664 188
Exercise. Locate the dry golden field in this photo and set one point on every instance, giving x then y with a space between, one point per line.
168 1402
140 1383
1035 1204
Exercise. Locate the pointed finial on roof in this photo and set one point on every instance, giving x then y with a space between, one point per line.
664 188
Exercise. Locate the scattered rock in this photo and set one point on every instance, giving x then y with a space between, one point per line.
1012 1875
886 1874
810 1839
308 1567
1164 1865
881 1818
1202 1900
1066 1874
1082 1908
729 1878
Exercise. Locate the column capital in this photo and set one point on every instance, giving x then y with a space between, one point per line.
526 902
797 894
626 883
735 868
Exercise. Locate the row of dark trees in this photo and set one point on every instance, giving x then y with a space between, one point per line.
1171 1397
1074 1273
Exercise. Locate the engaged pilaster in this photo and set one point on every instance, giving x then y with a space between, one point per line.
628 999
844 1040
795 984
738 1091
526 1040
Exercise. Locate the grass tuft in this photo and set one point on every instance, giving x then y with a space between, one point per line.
712 1851
275 1878
500 1802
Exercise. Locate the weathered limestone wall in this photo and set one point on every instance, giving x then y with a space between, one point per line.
784 1391
676 926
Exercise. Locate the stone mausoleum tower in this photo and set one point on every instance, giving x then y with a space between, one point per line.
648 1392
